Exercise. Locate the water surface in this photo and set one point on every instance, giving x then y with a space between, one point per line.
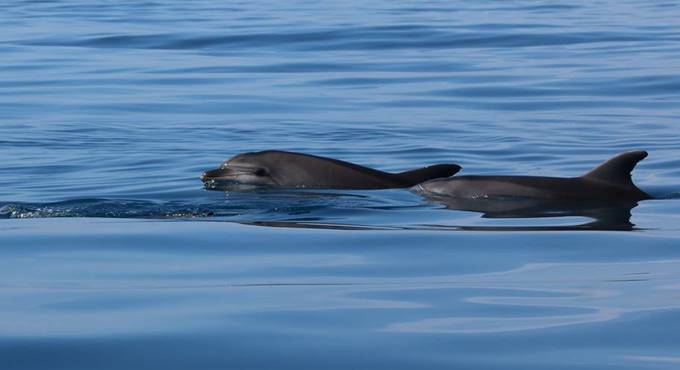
112 255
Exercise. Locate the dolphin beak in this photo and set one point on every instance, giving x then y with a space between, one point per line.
430 187
225 173
211 174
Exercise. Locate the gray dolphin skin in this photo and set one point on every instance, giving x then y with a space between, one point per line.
274 168
610 181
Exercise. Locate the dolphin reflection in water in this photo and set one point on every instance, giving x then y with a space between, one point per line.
602 215
526 215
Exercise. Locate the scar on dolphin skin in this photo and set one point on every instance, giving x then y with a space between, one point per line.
275 168
610 181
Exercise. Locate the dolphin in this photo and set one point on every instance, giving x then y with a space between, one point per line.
610 181
275 168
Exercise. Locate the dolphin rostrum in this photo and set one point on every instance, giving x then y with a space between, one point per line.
610 181
281 169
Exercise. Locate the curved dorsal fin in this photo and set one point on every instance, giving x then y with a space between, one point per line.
617 169
436 171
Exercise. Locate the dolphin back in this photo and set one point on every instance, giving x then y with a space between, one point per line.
420 175
325 172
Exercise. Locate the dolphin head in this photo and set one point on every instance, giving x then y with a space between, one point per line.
246 168
433 187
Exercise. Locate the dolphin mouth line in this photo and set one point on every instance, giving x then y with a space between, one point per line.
225 177
230 173
237 168
227 173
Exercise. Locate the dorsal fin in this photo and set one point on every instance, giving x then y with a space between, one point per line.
617 170
436 171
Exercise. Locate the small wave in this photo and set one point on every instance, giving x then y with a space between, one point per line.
269 205
106 208
355 38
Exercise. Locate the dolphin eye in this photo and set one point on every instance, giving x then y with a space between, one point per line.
261 172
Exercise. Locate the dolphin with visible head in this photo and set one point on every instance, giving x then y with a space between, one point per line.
610 181
281 169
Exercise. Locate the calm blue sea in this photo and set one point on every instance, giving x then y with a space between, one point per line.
113 256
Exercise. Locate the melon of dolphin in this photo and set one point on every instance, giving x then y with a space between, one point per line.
281 169
610 181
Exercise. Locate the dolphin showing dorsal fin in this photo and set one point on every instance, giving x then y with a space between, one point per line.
276 168
610 181
617 170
